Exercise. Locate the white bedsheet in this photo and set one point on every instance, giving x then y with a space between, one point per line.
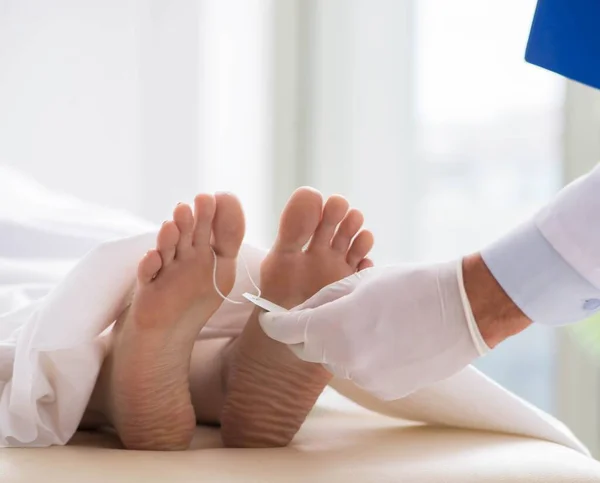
66 270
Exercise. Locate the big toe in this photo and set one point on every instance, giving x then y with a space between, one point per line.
228 225
299 219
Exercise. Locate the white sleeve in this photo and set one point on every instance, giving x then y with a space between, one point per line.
550 266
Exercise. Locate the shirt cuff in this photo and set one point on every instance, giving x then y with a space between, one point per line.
538 279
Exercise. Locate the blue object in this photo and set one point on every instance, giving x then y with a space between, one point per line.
591 304
565 38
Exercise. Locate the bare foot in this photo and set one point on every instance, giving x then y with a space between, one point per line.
145 375
270 391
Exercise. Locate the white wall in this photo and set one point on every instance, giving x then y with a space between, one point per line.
138 104
101 98
69 95
236 106
168 115
360 126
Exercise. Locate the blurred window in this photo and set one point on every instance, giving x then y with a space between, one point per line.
490 151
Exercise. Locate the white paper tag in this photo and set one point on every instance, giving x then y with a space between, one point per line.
263 303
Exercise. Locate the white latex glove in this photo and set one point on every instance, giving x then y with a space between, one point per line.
390 330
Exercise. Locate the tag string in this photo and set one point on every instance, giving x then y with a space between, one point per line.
224 297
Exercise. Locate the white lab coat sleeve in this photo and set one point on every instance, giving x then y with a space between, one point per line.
550 265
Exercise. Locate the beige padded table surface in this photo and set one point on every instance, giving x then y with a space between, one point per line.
333 446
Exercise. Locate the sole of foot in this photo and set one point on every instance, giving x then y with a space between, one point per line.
269 390
146 372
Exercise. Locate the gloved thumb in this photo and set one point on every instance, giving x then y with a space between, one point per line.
287 327
290 327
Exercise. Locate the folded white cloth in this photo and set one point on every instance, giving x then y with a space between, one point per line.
67 269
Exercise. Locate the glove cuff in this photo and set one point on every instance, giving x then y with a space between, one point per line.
480 345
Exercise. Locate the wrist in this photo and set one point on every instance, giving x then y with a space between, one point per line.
497 316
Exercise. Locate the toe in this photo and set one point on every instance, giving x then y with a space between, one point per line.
366 263
149 267
204 212
228 225
360 248
299 219
184 219
335 209
166 241
347 230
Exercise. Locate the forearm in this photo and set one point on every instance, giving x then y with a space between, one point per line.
497 316
545 271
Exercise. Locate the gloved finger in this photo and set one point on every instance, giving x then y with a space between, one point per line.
312 326
301 353
298 350
331 292
313 352
285 327
290 327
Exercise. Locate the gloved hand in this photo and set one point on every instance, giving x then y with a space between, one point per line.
390 330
